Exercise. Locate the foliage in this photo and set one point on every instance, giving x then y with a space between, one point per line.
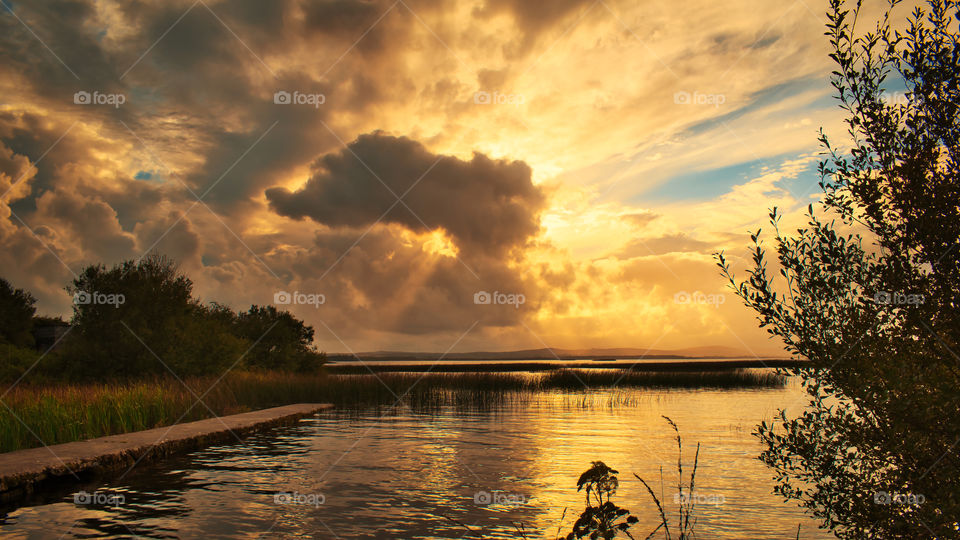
601 518
15 361
16 315
138 319
280 340
874 453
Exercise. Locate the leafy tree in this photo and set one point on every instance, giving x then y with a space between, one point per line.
138 318
876 454
278 340
16 315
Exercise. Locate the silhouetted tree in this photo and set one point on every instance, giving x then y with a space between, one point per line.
16 315
876 454
278 340
138 318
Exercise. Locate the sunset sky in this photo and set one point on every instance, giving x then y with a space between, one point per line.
588 155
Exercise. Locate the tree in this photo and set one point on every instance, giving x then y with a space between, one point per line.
16 315
138 319
874 309
278 340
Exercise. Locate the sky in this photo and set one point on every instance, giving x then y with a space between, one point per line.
417 174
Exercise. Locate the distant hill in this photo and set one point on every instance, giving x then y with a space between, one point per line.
563 354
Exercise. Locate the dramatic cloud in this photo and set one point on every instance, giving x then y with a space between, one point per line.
587 155
484 204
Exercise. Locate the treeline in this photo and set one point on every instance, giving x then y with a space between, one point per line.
139 319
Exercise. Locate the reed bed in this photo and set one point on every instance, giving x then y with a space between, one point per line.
49 414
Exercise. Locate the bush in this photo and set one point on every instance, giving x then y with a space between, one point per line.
15 361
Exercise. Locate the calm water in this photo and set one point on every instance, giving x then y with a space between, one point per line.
402 475
584 363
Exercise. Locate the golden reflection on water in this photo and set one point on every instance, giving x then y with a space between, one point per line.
406 475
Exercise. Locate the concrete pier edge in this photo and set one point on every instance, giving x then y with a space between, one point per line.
24 472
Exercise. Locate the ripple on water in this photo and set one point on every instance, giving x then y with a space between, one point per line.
406 475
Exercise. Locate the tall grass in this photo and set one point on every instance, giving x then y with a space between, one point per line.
48 414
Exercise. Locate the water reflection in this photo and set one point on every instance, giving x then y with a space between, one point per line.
366 474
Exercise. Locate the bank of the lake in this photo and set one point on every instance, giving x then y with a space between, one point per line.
24 472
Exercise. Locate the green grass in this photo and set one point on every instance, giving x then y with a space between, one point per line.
62 413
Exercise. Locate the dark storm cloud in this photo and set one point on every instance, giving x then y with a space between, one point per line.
93 224
484 204
58 23
346 19
172 235
210 72
199 88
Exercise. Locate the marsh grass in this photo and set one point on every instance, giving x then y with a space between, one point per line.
37 415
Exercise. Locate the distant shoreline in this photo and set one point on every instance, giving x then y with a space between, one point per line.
366 365
524 356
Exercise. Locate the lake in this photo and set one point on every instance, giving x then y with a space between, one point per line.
400 474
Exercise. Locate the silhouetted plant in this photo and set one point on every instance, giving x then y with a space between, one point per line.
880 323
601 518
